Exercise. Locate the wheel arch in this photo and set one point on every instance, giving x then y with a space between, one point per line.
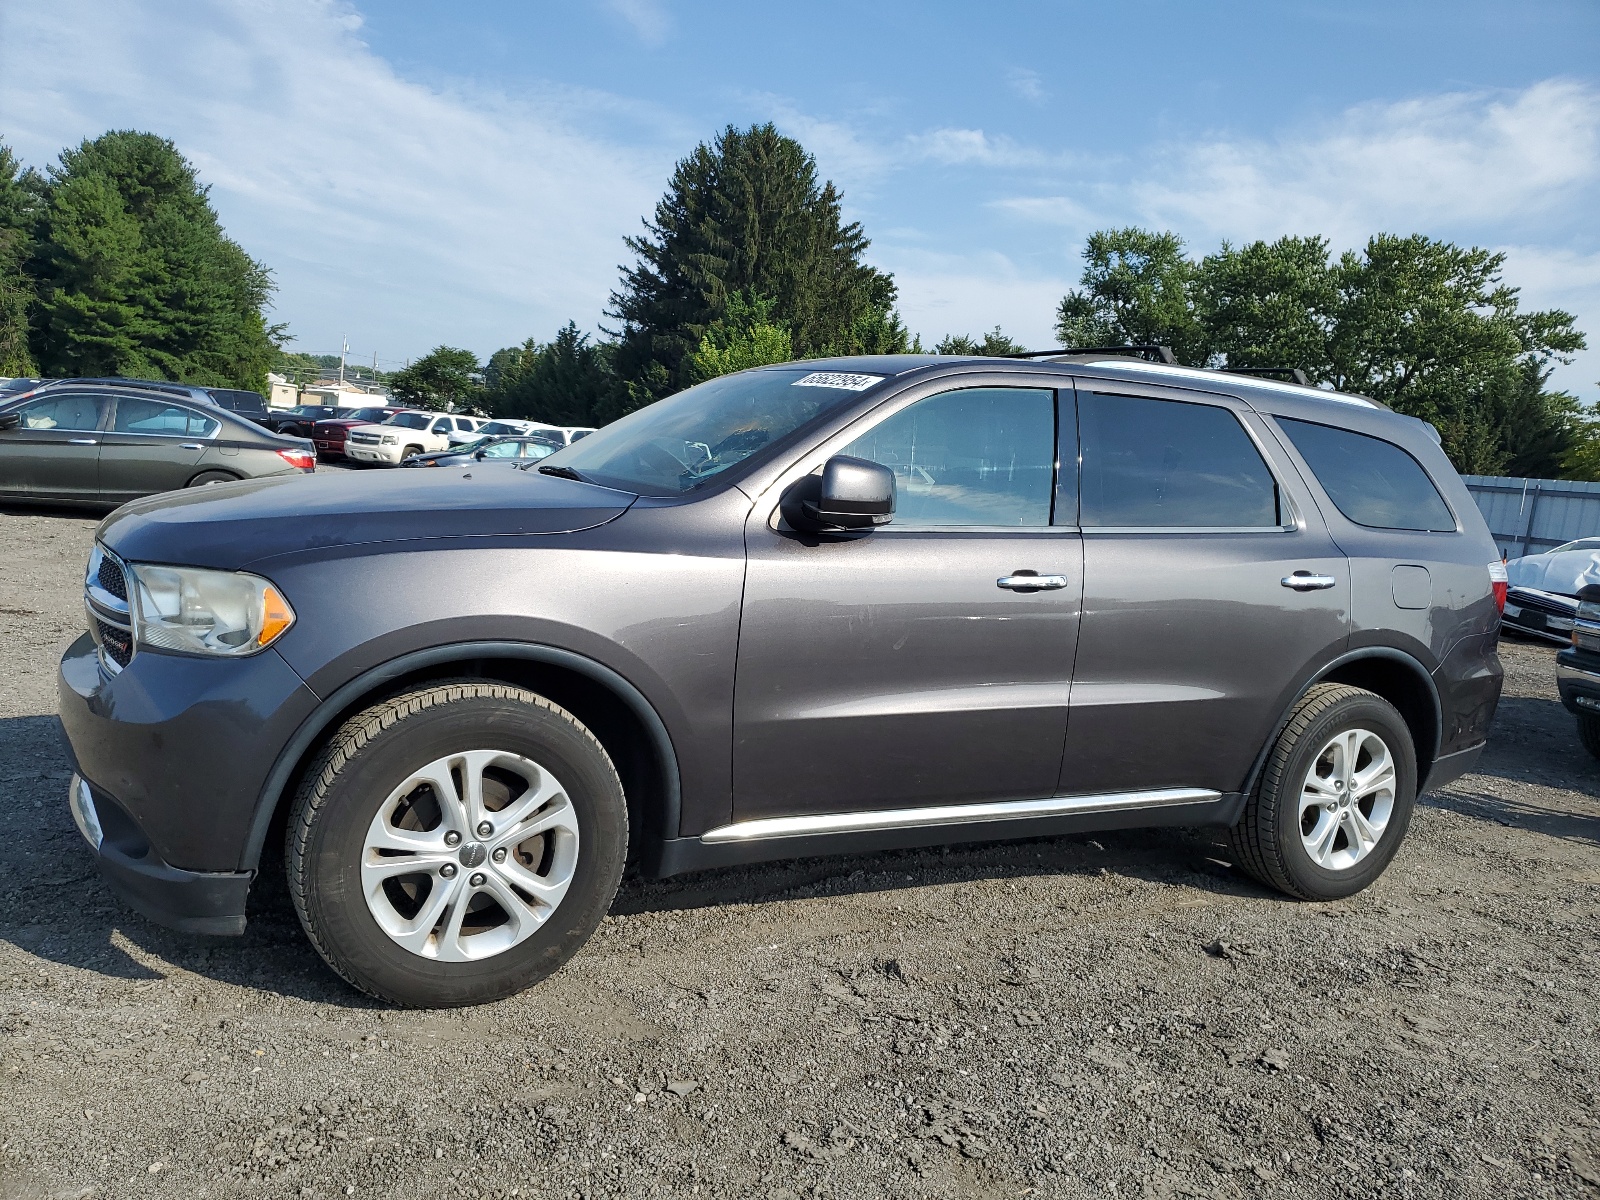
615 711
1399 678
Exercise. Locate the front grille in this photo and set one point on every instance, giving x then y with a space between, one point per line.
366 439
1547 603
111 577
105 596
116 644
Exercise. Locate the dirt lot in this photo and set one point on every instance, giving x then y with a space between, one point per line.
1117 1016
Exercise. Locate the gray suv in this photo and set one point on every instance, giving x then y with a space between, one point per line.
815 608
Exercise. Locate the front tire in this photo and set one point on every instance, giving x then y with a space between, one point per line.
456 844
1589 733
1334 800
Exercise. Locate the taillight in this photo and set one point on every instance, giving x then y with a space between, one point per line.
307 461
1498 580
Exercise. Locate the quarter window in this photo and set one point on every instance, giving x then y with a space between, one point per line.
1373 482
1169 464
154 417
979 456
76 411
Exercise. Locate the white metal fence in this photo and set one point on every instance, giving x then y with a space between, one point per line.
1528 516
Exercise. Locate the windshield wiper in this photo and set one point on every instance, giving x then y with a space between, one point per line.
563 472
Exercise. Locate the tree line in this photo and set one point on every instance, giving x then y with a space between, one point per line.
113 261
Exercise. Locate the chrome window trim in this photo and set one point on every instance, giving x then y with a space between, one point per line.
1170 530
765 828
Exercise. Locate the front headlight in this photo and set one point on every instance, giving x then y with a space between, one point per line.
206 612
391 439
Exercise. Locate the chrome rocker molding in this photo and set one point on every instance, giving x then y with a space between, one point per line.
953 814
767 839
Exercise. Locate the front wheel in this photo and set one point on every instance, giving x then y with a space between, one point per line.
456 844
1334 799
1589 733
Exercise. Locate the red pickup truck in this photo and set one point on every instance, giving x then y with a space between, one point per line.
328 435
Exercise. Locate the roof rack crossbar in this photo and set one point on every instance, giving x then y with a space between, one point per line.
1157 353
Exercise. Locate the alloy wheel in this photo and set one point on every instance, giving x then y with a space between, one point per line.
469 855
1347 799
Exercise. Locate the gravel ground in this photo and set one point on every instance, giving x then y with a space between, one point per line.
1116 1016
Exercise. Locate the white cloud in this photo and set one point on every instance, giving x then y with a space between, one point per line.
385 207
1027 84
1439 162
944 293
647 18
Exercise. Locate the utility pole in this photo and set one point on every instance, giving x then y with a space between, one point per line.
344 350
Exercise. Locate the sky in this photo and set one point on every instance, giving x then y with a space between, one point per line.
417 172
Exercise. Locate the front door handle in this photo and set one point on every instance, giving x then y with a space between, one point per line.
191 446
1027 581
81 442
1305 581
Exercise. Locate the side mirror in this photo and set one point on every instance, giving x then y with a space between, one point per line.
10 420
851 493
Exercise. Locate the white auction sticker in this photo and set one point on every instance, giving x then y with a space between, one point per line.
837 379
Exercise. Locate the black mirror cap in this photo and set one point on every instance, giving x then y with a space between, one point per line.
851 493
1589 594
10 420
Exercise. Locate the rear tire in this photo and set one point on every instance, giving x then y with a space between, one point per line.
1334 799
205 477
1589 733
484 914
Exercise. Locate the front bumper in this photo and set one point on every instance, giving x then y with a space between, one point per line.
1578 681
375 454
173 753
190 901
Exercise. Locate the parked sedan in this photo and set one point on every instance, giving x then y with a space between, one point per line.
523 449
97 445
1543 598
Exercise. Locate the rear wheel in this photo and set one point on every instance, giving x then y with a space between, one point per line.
456 844
206 477
1334 799
1589 733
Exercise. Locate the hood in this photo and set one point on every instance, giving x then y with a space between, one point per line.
230 525
1562 573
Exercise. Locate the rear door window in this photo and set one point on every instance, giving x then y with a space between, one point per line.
167 420
1170 464
974 457
1371 481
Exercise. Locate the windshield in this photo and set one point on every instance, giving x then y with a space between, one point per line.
679 443
1580 544
410 420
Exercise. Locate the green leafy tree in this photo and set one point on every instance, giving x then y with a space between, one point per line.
444 378
568 381
20 201
1426 327
746 214
1138 289
746 335
993 344
136 276
1582 458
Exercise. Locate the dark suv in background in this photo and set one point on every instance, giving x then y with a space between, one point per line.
806 609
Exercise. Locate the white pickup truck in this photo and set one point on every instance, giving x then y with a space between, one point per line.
402 436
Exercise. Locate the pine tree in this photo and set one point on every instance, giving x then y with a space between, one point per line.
567 381
136 276
745 214
20 202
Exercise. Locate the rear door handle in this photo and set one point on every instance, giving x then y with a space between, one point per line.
1305 581
82 442
191 446
1027 581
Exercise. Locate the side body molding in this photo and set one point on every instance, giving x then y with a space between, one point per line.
330 708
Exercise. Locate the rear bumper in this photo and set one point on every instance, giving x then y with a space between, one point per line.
1448 768
190 901
1578 681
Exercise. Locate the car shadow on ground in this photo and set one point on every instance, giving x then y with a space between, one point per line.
55 907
